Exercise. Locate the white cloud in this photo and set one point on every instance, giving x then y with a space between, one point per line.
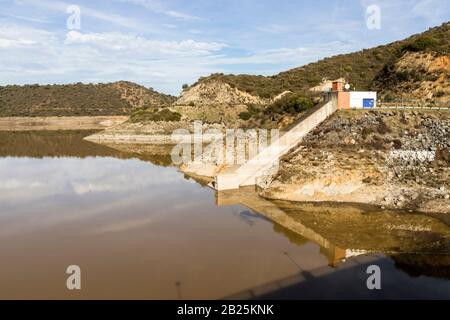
432 10
179 15
11 43
61 6
274 28
299 55
39 56
157 7
69 176
34 191
169 26
31 55
14 36
195 31
128 42
26 18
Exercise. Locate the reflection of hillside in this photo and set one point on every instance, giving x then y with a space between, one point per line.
156 154
371 229
39 144
416 242
294 231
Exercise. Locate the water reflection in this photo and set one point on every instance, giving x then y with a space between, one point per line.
40 144
415 241
140 230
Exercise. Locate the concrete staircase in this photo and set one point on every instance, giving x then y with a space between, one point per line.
268 159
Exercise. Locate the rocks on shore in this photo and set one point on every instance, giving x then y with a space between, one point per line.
399 159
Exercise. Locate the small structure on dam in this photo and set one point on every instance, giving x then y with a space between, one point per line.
347 99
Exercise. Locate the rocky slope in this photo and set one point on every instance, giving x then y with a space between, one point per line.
393 159
212 92
423 76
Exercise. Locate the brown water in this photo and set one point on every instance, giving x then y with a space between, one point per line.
140 229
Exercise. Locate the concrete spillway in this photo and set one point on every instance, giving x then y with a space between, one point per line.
247 174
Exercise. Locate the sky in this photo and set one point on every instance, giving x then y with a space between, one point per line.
164 44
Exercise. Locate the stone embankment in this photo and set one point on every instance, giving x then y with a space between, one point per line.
398 159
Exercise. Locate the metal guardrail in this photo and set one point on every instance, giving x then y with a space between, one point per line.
411 108
412 104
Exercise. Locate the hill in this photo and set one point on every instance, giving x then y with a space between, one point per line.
415 68
119 98
360 68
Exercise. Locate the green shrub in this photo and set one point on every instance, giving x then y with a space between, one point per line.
291 103
443 155
382 127
378 143
245 115
301 103
253 109
389 97
156 116
403 75
421 44
397 144
366 132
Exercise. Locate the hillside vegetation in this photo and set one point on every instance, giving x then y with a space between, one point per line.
119 98
416 68
421 75
359 68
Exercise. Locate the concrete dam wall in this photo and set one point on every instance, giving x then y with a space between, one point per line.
247 174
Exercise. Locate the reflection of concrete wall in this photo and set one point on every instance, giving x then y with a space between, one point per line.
249 198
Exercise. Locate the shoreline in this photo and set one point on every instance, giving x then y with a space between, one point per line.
157 139
392 159
60 123
360 173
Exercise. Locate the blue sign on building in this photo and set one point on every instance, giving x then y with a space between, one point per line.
368 103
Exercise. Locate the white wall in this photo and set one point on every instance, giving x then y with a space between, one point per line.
357 97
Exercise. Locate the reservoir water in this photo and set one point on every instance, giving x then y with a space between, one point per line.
140 229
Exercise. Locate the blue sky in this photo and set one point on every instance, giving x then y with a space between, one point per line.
163 44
